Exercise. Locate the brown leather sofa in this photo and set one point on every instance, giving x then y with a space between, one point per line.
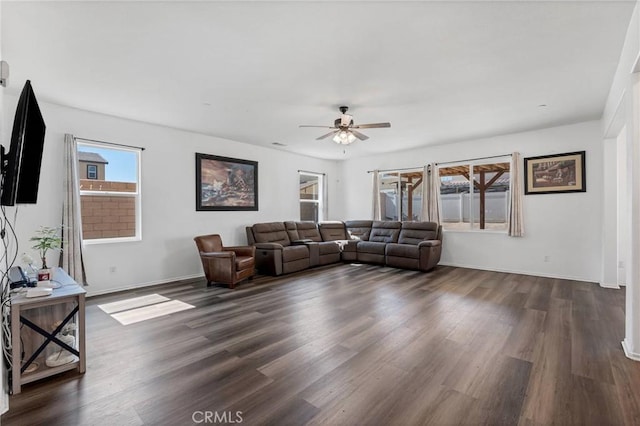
419 246
320 252
382 233
409 245
275 252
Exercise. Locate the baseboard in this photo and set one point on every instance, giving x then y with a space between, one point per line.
605 285
147 284
4 401
515 271
631 355
4 382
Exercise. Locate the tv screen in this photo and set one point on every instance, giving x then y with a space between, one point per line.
21 165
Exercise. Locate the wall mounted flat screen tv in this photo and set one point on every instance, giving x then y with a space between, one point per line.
21 165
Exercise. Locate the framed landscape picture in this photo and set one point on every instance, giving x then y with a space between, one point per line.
224 183
549 174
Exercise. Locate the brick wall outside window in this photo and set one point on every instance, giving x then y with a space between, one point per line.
106 216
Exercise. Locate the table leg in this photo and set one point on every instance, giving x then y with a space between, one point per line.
16 353
82 366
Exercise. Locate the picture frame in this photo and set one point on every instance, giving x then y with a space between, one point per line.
557 173
226 184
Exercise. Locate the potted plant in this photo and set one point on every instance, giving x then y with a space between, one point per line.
46 239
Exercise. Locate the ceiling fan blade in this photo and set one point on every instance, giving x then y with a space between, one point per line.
359 135
327 135
371 126
321 127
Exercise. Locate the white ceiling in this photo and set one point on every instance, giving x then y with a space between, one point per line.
253 71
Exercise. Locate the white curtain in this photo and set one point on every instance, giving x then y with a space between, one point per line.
516 220
71 253
377 212
433 207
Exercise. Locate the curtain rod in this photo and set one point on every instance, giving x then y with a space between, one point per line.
109 143
446 162
473 159
311 173
397 170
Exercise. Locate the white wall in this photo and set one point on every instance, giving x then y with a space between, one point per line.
622 220
169 220
620 120
609 214
566 227
4 394
613 117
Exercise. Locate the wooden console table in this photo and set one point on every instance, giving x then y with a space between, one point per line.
26 313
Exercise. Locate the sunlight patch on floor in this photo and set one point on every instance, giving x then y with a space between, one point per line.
134 302
136 309
148 312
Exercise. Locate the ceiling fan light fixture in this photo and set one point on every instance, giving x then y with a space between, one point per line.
344 137
343 131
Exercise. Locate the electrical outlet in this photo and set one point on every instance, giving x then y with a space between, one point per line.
621 264
112 269
547 258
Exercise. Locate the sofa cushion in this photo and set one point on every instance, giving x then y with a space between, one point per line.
332 231
416 232
385 232
292 253
244 262
371 247
308 231
328 247
403 250
292 231
359 229
272 232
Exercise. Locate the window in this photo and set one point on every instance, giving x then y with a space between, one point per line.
109 193
478 203
401 195
92 171
311 196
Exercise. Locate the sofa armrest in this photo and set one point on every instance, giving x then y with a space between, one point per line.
301 242
217 254
430 243
268 246
219 266
430 252
242 250
269 258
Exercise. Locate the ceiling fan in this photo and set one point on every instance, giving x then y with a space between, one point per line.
344 132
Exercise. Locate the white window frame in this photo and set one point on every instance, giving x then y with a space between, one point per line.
137 194
321 193
472 218
400 193
95 170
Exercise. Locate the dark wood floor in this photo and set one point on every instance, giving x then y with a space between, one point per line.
355 344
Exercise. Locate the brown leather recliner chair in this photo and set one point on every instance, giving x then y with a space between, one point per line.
226 265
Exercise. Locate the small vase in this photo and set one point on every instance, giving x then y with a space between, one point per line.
44 274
